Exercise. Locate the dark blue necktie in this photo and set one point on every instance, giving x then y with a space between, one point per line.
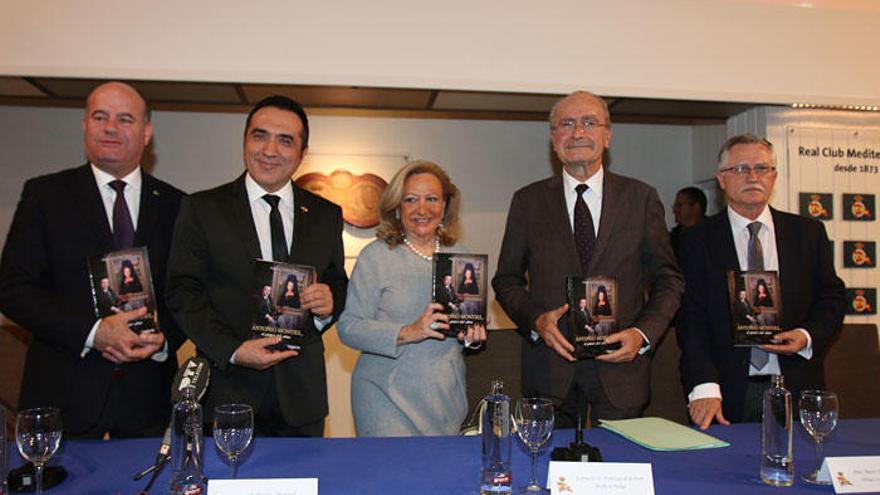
123 229
584 234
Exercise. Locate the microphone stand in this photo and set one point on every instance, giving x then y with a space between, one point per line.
157 468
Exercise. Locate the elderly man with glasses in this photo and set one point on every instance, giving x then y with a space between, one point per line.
726 383
587 222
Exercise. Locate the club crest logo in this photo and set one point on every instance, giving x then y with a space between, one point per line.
859 207
816 205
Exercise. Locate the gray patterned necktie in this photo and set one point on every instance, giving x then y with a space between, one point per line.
759 357
756 251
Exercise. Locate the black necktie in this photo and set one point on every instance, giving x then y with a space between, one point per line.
759 357
279 241
123 229
584 235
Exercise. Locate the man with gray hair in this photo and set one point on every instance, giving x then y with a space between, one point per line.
726 383
587 222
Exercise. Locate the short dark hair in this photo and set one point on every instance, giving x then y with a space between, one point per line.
747 138
282 103
695 195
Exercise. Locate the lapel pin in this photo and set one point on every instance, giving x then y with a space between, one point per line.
155 193
304 209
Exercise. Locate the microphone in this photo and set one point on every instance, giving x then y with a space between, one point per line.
193 374
577 451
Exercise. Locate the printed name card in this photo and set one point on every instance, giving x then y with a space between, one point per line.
605 478
852 474
285 486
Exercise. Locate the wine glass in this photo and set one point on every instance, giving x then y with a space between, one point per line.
38 434
818 409
534 424
233 430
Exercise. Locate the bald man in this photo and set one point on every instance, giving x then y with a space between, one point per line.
105 378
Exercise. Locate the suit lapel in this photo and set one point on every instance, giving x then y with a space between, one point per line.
610 196
557 213
301 208
148 210
87 197
239 210
787 260
722 242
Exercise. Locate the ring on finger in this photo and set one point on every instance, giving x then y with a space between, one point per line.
435 325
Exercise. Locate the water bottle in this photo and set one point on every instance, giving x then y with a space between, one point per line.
186 447
777 468
495 473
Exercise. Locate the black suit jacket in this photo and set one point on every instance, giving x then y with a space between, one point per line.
60 222
812 299
632 246
106 301
211 281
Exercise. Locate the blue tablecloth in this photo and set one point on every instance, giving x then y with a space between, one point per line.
450 465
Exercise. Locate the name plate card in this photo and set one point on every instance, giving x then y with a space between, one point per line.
606 478
284 486
852 474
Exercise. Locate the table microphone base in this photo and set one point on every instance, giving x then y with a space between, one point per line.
22 479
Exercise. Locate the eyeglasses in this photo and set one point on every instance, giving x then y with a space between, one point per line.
745 170
570 125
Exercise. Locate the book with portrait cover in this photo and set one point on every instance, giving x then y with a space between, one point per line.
755 306
122 281
592 314
459 284
276 302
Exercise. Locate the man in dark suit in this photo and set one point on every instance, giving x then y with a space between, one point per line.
587 222
266 308
726 383
219 234
447 296
689 209
107 300
104 377
743 314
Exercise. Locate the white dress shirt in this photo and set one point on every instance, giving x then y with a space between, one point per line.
739 226
592 196
260 210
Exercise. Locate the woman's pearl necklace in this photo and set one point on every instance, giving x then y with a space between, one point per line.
419 253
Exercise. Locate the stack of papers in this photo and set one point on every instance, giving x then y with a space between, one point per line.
662 434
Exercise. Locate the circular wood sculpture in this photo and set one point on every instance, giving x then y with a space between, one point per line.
358 195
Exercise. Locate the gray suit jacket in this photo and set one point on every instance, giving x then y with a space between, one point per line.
539 251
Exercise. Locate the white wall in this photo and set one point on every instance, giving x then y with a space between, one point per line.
743 50
488 160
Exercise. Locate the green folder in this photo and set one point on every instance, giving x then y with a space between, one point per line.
662 434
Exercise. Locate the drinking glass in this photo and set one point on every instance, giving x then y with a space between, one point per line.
818 409
233 430
38 434
534 424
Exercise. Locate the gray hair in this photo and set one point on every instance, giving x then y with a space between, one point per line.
747 138
582 93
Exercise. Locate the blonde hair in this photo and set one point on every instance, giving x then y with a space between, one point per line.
391 230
